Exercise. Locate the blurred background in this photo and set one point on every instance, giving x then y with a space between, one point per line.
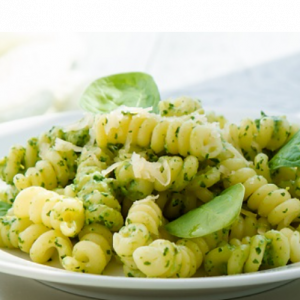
44 73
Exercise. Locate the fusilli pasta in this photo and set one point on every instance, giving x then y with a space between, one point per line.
70 189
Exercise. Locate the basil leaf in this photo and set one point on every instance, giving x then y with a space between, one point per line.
288 155
4 207
215 215
129 89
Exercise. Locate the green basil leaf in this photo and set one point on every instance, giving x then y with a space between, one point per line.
4 207
129 89
215 215
288 155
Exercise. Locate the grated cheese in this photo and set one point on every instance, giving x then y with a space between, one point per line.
61 145
149 170
86 122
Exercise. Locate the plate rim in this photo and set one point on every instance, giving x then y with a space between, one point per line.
51 274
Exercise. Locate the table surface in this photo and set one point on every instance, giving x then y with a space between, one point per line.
241 70
13 287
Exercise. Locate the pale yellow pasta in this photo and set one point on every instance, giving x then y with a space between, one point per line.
179 203
138 180
275 204
180 106
182 171
96 193
93 251
44 247
294 241
68 216
285 177
12 164
252 136
202 181
8 192
29 235
163 258
266 199
249 254
248 225
101 213
71 189
135 185
142 226
261 166
174 135
19 159
55 169
10 228
212 117
51 209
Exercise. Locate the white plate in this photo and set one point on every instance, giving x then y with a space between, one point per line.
117 287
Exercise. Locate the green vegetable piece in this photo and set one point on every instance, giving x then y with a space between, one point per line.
129 89
4 207
215 215
288 155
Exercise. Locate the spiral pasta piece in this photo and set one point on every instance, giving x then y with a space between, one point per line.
76 134
286 177
93 251
266 199
266 251
175 204
179 107
55 169
293 237
94 190
10 228
21 158
182 171
19 232
29 235
252 136
275 204
138 177
163 258
212 117
50 209
202 183
174 135
70 189
166 259
261 166
141 227
8 192
248 226
44 247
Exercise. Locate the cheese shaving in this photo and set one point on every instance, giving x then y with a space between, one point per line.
115 117
92 134
198 118
44 149
86 122
111 168
61 145
113 120
147 199
149 170
224 171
